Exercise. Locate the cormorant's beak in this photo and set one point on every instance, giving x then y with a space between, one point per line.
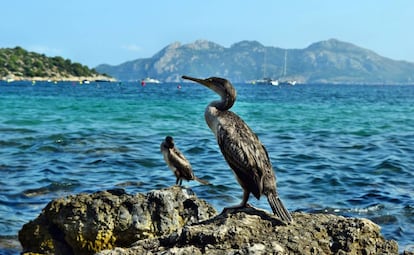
204 82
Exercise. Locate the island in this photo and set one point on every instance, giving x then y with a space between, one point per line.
18 64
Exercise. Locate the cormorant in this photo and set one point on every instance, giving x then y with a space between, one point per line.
176 161
241 147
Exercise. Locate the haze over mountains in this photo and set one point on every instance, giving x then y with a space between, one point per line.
330 61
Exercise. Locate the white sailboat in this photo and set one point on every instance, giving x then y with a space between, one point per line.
286 82
265 80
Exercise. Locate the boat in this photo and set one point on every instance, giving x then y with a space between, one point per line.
265 81
149 80
283 81
288 82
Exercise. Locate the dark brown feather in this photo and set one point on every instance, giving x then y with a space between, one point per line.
243 151
183 166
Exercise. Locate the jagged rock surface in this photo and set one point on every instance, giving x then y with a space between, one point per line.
88 223
251 231
174 221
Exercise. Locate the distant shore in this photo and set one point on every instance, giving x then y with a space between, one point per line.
102 78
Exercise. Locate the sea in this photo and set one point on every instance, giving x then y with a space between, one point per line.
341 149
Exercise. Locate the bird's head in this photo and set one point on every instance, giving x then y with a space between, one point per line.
169 142
219 85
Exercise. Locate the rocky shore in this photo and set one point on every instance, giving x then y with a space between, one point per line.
174 221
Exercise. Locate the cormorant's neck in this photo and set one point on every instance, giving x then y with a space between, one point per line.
224 104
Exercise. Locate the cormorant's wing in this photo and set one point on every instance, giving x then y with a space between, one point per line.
178 160
243 151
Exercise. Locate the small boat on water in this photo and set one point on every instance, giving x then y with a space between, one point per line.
266 81
288 82
149 80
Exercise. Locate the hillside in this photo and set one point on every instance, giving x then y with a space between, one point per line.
330 61
20 64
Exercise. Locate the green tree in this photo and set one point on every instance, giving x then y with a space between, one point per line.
18 51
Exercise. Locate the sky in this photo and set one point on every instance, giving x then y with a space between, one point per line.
94 32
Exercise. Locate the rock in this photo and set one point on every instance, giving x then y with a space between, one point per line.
409 252
251 231
88 223
174 221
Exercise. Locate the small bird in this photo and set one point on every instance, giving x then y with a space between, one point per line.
241 148
176 161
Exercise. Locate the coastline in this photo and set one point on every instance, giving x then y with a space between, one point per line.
102 78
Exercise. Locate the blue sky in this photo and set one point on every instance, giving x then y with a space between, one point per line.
94 32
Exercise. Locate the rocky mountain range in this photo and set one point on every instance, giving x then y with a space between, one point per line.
330 61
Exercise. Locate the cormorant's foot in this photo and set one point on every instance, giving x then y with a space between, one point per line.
237 207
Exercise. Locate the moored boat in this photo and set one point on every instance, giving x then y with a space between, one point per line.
265 81
149 80
288 82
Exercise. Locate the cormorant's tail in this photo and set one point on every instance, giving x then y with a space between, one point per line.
278 208
201 180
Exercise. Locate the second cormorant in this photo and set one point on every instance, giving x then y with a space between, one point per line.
176 161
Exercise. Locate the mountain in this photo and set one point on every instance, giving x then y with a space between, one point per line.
330 61
20 64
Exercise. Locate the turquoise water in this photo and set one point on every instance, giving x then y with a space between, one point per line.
347 150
